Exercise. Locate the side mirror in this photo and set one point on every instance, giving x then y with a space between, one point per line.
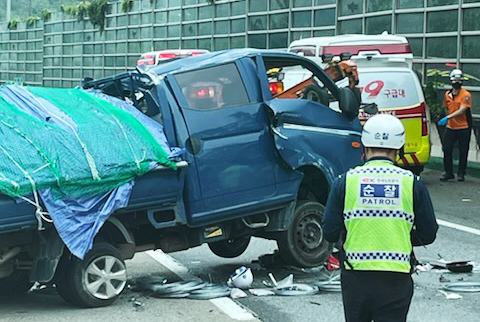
348 103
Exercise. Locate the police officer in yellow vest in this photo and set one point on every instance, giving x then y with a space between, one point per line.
379 211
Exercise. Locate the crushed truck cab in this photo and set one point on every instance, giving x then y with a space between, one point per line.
250 164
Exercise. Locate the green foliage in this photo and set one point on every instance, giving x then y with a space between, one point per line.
97 12
32 20
79 10
434 84
126 5
24 8
12 24
46 14
83 9
69 9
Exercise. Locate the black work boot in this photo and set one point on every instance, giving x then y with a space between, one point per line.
446 177
461 177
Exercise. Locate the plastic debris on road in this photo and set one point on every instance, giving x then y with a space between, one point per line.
451 296
237 293
287 281
261 291
423 268
333 263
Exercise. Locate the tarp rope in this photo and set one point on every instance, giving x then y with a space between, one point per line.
39 213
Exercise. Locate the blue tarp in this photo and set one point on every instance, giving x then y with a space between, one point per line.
78 220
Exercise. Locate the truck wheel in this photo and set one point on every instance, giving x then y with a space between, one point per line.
230 248
95 281
303 244
17 283
316 93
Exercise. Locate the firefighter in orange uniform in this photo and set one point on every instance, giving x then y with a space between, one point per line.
458 102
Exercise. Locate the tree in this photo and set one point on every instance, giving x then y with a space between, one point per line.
22 8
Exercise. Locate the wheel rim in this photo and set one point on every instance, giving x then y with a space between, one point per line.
309 233
105 277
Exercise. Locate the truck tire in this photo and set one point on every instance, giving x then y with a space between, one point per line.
303 244
316 93
230 248
17 283
96 281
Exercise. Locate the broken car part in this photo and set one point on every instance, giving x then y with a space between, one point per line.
329 286
470 287
296 290
210 292
460 267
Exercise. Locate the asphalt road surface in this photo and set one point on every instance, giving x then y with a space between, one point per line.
457 208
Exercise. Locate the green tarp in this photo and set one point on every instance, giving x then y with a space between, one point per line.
103 148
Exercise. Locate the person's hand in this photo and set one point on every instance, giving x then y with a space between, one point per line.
443 121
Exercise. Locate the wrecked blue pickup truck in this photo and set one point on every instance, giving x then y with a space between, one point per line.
243 161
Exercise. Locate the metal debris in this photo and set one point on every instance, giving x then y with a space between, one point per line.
210 292
443 279
295 290
329 286
195 289
468 287
274 281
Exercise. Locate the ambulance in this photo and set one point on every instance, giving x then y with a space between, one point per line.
155 58
384 66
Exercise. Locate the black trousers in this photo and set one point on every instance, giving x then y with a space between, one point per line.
376 296
449 139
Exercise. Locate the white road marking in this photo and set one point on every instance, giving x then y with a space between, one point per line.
231 308
458 227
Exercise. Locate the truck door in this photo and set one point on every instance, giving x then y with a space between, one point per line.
308 125
229 142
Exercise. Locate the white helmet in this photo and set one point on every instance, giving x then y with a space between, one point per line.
456 75
241 278
383 131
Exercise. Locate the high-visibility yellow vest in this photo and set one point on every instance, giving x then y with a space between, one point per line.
378 216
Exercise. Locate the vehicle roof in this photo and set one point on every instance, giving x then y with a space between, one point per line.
351 39
377 69
215 58
156 52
